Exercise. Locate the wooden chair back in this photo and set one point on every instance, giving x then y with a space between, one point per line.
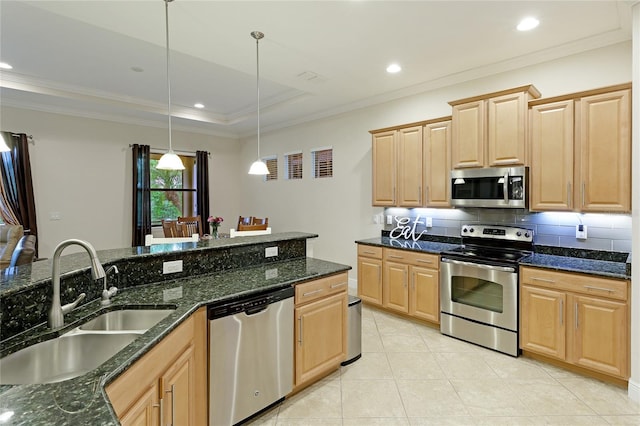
192 224
258 221
244 220
173 229
256 224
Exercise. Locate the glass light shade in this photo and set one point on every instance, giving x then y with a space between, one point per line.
3 145
258 168
170 161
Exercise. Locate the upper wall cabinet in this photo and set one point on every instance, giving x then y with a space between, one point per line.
411 164
491 130
581 151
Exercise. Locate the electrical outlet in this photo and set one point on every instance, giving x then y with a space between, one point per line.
428 222
581 232
271 251
172 267
389 219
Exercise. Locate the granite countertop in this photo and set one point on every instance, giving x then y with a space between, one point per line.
17 279
601 264
82 400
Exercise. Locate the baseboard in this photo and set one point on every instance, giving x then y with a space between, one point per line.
634 391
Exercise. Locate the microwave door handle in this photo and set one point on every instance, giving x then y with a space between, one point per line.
479 265
505 187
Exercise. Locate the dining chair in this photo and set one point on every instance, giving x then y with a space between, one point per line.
193 225
173 229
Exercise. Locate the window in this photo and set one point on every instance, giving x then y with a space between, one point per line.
272 165
173 192
293 165
322 162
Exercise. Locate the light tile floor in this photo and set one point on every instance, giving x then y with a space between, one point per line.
410 374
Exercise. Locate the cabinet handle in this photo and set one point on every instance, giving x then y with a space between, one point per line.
561 312
582 193
338 285
576 314
312 292
369 252
569 194
590 287
405 279
426 194
393 256
542 279
160 405
300 329
424 261
419 194
173 405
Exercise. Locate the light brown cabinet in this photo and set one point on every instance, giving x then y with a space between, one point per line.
370 274
410 281
166 385
578 319
320 327
581 151
437 163
411 164
491 130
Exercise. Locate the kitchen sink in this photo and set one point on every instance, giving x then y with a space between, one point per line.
62 358
126 319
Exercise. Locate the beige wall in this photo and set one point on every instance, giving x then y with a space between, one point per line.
82 169
339 209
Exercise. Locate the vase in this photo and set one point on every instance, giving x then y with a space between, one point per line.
214 231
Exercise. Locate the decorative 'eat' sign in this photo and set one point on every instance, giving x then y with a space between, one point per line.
405 230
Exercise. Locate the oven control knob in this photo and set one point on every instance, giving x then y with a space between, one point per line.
471 230
464 229
518 233
526 235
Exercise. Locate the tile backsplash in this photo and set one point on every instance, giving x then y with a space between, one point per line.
610 232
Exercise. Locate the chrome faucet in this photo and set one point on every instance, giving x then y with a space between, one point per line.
107 294
56 313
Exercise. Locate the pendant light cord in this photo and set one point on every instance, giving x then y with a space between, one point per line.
258 90
166 9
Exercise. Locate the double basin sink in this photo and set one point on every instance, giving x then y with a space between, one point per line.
80 350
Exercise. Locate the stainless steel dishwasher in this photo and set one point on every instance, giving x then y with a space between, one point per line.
250 355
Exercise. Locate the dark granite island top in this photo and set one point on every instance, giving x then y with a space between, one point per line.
82 400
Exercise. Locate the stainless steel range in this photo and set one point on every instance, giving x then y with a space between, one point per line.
479 286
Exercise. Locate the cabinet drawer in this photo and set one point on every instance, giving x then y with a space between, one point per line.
426 260
369 251
322 287
577 283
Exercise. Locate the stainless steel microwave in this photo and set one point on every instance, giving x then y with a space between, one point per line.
497 187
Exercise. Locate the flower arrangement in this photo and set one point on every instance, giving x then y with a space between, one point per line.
214 222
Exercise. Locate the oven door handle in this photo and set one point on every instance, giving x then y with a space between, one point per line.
479 265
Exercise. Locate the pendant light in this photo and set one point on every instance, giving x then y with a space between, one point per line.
258 167
169 160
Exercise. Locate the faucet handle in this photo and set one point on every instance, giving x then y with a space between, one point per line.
69 306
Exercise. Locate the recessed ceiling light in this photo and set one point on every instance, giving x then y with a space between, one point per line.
198 105
394 68
528 23
5 66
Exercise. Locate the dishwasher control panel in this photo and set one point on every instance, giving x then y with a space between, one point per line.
251 304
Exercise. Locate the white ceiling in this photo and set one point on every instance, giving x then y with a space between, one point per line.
77 56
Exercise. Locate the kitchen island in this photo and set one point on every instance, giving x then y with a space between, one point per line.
214 271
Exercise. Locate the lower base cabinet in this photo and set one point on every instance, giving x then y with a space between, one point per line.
575 318
320 327
166 386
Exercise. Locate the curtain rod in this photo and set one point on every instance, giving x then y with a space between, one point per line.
176 151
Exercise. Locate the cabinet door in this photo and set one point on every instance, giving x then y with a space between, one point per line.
179 391
321 336
395 284
410 167
604 149
542 321
437 164
551 172
145 410
370 280
384 168
600 335
507 129
468 134
424 296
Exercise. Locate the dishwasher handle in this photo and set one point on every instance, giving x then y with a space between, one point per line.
250 305
255 310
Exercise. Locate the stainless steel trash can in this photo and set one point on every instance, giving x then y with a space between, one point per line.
354 330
